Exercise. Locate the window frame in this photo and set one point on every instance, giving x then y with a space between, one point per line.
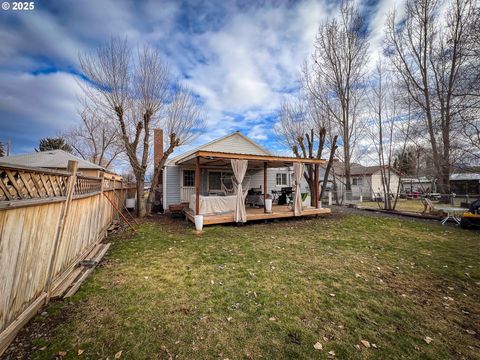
355 181
188 172
283 179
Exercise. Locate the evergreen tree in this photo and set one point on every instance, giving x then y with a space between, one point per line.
48 144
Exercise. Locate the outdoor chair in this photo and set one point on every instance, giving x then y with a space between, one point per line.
429 208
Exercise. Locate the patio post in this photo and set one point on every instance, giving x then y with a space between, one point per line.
264 186
197 185
315 189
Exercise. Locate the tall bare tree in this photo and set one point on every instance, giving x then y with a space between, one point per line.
337 74
183 121
303 129
389 133
428 49
135 91
96 138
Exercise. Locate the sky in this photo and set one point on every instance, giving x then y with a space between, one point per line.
242 58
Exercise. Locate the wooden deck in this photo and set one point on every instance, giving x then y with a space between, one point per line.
255 214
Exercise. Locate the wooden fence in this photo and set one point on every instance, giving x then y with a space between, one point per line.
49 221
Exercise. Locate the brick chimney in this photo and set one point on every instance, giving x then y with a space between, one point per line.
157 145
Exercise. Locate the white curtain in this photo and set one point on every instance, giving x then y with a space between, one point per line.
298 169
239 168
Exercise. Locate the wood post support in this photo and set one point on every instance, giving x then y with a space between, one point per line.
197 185
315 191
265 190
72 169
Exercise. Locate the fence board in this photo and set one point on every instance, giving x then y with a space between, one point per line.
32 204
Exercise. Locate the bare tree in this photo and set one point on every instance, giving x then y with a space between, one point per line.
135 91
183 121
389 134
303 129
428 50
337 75
96 138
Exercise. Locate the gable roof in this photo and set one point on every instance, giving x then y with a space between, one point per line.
234 142
53 159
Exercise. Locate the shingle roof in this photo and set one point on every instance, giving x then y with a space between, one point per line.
53 159
357 169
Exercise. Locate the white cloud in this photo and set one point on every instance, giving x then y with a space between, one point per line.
240 60
28 115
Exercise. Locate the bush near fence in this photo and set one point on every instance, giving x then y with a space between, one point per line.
49 221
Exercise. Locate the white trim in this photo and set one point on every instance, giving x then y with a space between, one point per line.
164 185
286 179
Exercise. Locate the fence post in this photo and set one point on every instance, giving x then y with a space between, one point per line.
330 202
72 168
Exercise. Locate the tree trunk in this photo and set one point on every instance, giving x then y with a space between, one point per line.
311 189
141 211
333 148
153 189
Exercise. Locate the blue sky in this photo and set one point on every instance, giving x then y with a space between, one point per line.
242 58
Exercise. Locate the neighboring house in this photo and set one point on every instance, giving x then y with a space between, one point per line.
55 160
420 184
366 181
178 182
467 183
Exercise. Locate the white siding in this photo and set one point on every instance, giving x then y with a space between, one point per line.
171 185
256 180
377 186
235 144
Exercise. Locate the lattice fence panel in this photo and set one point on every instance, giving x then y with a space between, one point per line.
18 184
86 185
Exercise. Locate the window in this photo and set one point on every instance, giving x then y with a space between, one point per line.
189 178
281 179
214 181
357 181
217 178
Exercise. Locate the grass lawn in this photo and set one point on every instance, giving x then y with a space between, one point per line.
402 205
272 291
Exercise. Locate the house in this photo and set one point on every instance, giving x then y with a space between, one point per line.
209 168
421 184
57 160
179 181
366 181
466 182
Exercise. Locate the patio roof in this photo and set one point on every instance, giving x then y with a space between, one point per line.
216 158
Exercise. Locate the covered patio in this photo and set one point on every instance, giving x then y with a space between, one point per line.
231 208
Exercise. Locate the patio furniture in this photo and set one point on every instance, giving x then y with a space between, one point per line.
452 214
176 210
213 204
286 195
430 208
276 194
254 197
